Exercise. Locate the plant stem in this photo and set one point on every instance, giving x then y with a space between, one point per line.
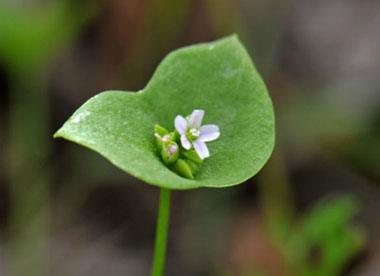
161 233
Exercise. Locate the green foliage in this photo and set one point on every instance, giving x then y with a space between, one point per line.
217 77
30 36
324 242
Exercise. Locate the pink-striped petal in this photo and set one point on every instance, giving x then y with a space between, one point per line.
201 148
185 143
209 133
196 118
180 124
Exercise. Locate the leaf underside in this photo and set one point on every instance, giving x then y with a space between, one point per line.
217 77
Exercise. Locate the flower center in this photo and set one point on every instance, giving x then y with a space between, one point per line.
192 134
195 132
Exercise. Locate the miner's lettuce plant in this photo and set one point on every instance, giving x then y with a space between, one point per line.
217 78
192 137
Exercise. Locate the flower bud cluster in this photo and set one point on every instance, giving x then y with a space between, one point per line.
182 161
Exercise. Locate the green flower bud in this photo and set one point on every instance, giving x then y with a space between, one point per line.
162 135
158 141
169 152
193 166
161 131
183 168
176 135
193 156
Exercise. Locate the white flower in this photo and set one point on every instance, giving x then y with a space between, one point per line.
193 134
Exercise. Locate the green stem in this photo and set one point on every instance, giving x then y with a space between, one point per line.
162 233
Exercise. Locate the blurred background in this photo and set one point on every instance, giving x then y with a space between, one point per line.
312 210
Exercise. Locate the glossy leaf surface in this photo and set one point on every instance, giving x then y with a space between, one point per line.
217 77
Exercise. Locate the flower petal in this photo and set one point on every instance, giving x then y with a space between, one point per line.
209 133
201 148
180 124
196 118
185 143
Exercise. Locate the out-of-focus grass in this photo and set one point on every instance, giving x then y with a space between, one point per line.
30 37
162 26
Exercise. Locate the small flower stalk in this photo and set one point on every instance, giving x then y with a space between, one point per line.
184 149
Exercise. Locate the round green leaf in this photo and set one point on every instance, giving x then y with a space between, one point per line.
217 77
